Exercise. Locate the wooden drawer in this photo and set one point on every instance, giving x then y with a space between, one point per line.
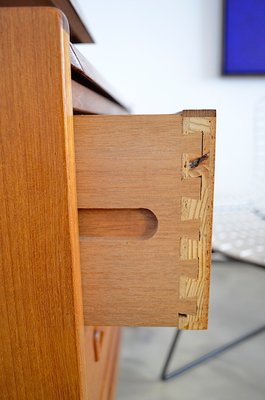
109 385
145 192
91 94
101 362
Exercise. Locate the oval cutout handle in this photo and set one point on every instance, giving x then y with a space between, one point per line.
119 223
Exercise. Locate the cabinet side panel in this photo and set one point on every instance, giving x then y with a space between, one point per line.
41 323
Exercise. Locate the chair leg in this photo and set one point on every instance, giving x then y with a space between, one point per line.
165 375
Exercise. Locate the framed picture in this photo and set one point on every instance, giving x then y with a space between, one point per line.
244 37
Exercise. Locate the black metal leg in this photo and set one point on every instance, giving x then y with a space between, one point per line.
165 375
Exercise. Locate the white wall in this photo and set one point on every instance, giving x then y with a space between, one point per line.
164 56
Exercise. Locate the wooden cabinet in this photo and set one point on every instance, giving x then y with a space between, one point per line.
105 220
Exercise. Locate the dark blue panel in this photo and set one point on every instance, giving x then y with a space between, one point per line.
244 37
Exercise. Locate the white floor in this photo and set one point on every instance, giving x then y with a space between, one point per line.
237 306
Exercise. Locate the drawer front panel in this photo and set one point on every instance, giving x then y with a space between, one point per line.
98 363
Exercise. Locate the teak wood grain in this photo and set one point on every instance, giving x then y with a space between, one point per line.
144 207
79 32
160 163
87 76
87 101
41 316
102 377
